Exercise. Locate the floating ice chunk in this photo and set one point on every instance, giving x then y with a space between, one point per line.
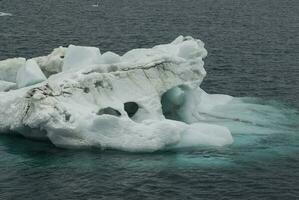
205 134
77 57
29 74
2 14
9 68
115 102
109 58
6 86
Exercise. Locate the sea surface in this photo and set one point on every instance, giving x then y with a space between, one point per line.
253 52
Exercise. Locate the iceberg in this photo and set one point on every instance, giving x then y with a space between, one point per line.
143 101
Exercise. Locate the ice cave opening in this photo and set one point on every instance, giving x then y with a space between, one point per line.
109 111
172 102
131 108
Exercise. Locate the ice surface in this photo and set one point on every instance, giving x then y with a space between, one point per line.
52 64
6 86
78 57
205 134
109 58
30 74
144 101
9 68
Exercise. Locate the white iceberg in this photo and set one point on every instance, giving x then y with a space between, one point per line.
145 100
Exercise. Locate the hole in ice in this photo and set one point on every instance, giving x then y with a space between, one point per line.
109 111
67 117
172 101
131 108
99 84
86 90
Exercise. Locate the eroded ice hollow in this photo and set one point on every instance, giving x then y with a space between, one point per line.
144 100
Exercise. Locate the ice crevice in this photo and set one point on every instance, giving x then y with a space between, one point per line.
145 100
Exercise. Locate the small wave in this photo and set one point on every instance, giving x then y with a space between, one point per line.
2 14
97 4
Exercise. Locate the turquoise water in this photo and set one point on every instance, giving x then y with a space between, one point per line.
253 52
260 164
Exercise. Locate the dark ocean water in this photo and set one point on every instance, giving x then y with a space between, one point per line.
253 52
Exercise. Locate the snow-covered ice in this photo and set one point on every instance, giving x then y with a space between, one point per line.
146 100
6 86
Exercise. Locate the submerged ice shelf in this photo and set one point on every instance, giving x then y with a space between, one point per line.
145 100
